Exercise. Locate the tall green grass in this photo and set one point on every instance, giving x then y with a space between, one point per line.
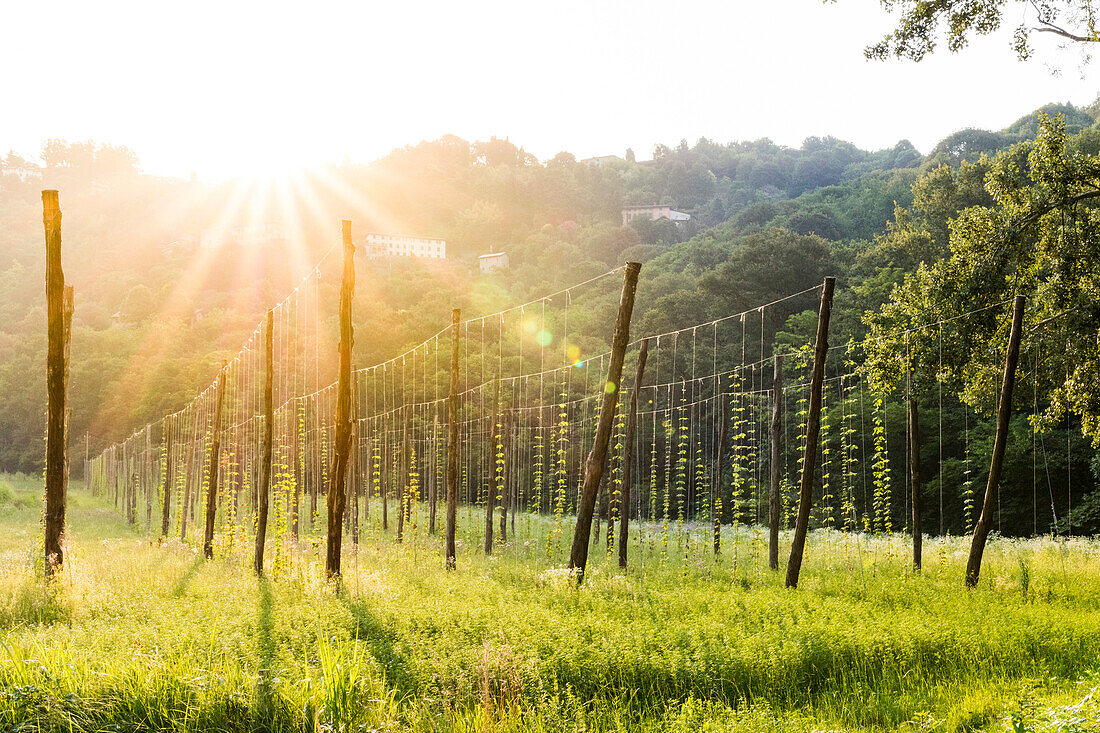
140 634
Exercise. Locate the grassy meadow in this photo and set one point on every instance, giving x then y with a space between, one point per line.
140 634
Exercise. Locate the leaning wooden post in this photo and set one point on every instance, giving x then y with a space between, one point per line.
169 473
1004 411
593 470
628 452
264 488
452 444
56 386
212 476
813 431
774 473
914 476
336 495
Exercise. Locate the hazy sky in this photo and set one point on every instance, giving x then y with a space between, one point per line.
224 88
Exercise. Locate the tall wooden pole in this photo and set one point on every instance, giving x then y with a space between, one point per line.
775 477
628 452
1004 412
594 467
914 477
212 476
264 488
336 496
56 386
452 444
813 432
169 475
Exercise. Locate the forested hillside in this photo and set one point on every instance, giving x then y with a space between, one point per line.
156 311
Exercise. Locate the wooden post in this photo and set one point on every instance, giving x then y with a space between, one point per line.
628 453
914 477
594 467
56 386
1004 412
342 442
264 487
169 474
212 477
452 444
813 431
774 473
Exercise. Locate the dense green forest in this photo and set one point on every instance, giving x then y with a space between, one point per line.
157 312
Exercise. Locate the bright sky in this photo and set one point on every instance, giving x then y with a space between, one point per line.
222 87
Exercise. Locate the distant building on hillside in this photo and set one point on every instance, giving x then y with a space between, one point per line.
402 245
653 212
492 262
600 160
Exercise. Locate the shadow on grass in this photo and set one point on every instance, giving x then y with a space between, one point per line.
185 579
382 644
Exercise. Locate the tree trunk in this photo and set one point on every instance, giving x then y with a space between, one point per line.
628 453
813 431
594 467
342 441
56 385
1004 412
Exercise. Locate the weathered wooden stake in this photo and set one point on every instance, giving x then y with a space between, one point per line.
774 474
56 386
212 477
628 453
813 432
342 442
1004 412
264 487
594 467
914 476
452 444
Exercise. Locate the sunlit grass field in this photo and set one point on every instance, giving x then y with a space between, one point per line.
143 635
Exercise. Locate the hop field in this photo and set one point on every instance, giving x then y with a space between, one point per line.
141 634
